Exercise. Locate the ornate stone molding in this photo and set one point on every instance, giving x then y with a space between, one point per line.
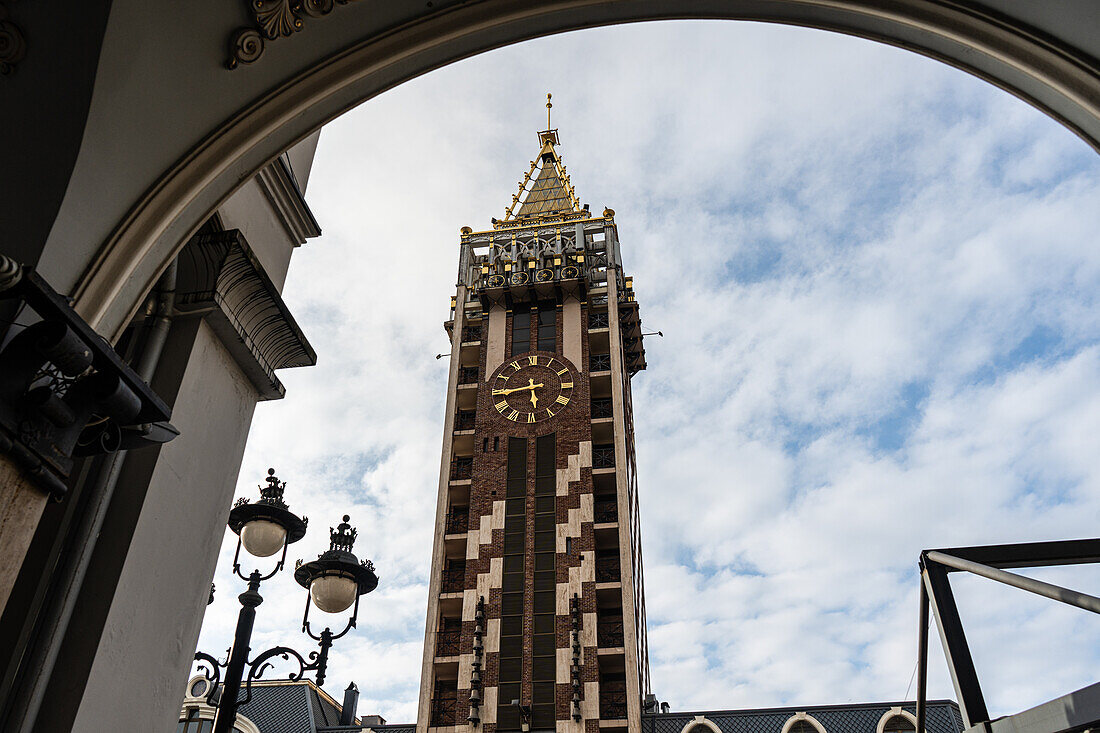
273 19
221 278
12 45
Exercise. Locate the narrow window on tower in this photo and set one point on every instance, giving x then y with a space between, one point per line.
544 655
511 611
521 332
548 331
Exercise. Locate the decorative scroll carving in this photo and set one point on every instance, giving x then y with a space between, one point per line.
12 45
273 19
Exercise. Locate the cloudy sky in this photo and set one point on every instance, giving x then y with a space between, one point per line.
877 280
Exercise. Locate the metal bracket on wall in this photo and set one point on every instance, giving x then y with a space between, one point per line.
64 392
1073 712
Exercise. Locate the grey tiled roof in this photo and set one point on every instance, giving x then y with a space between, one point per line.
282 708
943 717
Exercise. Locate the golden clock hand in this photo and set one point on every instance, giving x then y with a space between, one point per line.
534 400
517 389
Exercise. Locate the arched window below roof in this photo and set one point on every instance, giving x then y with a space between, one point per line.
803 723
700 725
898 724
897 720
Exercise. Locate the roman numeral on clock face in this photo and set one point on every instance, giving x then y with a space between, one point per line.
567 385
513 415
530 417
533 360
563 371
501 406
562 400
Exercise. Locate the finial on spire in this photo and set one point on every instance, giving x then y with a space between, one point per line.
548 106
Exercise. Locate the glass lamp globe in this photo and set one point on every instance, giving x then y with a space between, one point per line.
263 538
333 593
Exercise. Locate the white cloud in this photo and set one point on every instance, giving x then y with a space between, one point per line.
876 278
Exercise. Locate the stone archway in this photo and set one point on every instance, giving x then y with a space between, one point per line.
107 245
1053 76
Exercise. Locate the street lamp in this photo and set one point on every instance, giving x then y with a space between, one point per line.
335 580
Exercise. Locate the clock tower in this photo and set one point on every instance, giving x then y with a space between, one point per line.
536 616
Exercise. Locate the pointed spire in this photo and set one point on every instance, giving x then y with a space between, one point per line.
545 189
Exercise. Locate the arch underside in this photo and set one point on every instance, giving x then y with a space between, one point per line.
1057 79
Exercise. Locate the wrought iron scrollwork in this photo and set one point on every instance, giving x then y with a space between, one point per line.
211 669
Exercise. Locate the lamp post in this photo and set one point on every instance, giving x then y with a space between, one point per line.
335 580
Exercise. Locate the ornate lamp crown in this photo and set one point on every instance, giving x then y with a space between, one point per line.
272 493
343 537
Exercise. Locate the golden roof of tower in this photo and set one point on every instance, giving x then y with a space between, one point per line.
545 190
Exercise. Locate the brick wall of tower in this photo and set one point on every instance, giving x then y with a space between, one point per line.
575 540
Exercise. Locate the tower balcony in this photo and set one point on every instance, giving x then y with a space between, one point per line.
602 408
609 631
467 375
445 708
599 362
603 456
447 642
605 510
607 567
471 334
612 700
454 578
597 319
457 521
462 468
465 419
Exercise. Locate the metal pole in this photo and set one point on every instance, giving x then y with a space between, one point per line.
922 656
1031 585
959 662
238 656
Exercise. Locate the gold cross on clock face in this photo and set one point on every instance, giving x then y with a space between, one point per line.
532 388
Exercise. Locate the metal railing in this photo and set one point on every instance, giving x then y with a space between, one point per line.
462 467
444 710
607 568
447 641
606 510
609 632
467 375
465 419
471 333
599 362
612 701
454 580
603 456
597 320
601 408
458 521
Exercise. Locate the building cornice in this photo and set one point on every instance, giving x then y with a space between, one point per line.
223 280
281 189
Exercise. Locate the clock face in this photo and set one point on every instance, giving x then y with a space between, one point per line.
532 388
